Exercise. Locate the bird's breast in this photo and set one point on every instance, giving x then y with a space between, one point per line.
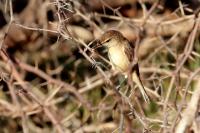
118 58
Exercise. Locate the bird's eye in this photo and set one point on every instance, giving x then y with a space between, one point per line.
108 40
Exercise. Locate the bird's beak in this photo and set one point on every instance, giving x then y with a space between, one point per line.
98 44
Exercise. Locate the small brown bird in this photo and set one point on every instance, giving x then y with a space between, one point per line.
121 56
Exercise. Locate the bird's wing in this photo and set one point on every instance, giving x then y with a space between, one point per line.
129 51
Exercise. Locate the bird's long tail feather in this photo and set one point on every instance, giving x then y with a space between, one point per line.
137 80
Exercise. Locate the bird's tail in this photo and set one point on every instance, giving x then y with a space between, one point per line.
137 80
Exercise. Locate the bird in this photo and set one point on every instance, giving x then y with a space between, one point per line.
121 56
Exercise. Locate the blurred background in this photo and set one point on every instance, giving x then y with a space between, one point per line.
53 81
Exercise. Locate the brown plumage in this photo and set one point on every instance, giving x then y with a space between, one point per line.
121 55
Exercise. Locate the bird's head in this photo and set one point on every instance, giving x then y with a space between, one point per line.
110 38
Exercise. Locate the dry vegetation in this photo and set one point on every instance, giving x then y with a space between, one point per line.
53 81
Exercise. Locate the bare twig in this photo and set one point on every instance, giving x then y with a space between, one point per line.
189 113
